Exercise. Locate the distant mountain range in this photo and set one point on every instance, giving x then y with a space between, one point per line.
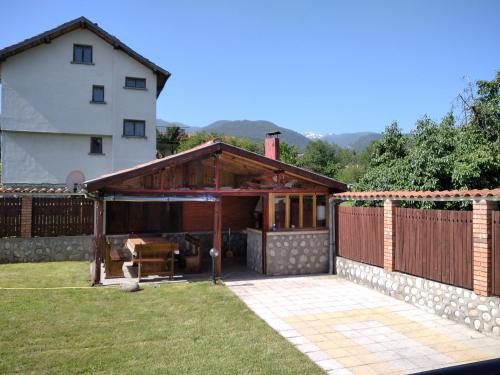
256 130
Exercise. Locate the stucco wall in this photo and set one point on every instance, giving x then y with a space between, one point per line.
451 302
294 253
254 250
42 91
50 157
45 249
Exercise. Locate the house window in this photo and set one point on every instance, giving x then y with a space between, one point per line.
96 145
135 83
134 128
299 211
97 94
82 54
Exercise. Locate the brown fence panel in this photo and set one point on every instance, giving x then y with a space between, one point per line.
361 234
495 228
435 244
10 217
62 217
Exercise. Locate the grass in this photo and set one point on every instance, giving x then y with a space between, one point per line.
171 329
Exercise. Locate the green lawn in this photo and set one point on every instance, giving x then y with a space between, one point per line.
175 328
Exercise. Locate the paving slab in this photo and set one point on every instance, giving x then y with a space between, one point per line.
347 328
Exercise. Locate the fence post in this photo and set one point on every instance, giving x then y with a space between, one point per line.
482 246
389 234
26 216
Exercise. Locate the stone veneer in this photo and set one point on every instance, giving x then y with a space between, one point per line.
45 249
254 250
298 252
455 303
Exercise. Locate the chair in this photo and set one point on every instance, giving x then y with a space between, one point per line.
194 260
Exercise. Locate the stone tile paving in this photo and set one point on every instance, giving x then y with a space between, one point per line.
349 329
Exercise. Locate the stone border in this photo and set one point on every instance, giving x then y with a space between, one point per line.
45 249
451 302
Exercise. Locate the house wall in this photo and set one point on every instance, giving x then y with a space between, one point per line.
296 253
254 250
43 92
45 158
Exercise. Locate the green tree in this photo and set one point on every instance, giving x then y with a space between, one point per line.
442 156
321 157
168 142
288 153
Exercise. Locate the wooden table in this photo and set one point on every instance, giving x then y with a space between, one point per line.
153 255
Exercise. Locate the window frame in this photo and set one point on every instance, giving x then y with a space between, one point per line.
92 151
135 123
135 79
93 94
314 221
83 46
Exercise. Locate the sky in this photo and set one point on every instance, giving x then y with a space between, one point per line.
321 66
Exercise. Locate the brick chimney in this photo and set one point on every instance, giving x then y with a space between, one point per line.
272 145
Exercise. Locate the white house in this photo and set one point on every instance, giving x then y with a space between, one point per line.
76 103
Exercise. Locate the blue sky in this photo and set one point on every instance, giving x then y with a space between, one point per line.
323 66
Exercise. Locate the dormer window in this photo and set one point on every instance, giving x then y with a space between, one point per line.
135 83
82 54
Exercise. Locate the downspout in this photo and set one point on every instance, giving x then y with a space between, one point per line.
332 244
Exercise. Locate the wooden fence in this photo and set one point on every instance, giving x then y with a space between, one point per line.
435 244
62 217
361 234
10 217
495 224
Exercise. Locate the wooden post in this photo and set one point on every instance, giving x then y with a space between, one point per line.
98 241
26 216
217 171
265 228
217 242
482 246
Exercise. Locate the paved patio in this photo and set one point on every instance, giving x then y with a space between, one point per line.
350 329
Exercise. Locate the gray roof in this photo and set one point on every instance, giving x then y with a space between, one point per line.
162 75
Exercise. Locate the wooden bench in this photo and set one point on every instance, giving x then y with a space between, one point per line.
153 257
193 261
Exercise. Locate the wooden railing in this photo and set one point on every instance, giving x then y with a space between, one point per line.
435 244
62 217
361 234
10 217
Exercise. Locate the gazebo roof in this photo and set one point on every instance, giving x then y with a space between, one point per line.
203 150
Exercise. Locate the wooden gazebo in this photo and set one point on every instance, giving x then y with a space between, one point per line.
216 186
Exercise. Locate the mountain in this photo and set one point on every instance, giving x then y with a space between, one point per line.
256 130
356 141
165 124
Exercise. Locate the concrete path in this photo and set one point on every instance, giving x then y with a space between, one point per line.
350 329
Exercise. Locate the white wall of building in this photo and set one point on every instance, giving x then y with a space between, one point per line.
44 93
49 158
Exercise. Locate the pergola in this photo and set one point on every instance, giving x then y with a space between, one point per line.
232 184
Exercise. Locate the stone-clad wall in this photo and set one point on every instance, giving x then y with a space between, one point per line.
458 304
295 253
254 250
45 249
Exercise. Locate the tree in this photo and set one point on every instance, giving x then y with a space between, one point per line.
168 142
321 157
443 156
288 153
